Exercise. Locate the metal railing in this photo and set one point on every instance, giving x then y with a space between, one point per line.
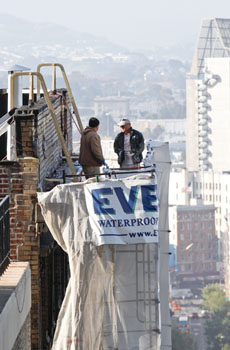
4 233
111 173
39 77
60 66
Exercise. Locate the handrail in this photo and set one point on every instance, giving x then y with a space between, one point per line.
50 106
54 65
4 233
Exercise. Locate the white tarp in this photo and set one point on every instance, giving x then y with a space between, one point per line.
112 298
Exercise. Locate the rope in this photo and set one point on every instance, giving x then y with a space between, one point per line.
58 94
24 295
70 112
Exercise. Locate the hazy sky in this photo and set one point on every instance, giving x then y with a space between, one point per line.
132 23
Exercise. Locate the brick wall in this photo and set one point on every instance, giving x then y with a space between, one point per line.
37 135
20 181
39 153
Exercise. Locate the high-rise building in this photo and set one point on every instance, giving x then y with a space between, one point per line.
194 238
208 103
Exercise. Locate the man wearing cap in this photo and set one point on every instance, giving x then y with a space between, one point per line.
129 145
91 156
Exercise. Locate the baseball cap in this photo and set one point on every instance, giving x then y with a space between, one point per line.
123 122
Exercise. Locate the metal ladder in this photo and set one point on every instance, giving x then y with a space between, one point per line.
41 83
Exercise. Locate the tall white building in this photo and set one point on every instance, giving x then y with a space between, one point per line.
208 99
213 188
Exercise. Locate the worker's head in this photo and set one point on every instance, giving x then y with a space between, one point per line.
94 123
125 125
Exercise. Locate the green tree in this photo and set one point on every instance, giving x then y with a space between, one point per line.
214 298
214 330
217 327
182 341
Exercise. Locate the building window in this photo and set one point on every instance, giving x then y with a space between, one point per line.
210 186
210 197
226 187
201 185
181 237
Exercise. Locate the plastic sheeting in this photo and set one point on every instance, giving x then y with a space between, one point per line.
113 299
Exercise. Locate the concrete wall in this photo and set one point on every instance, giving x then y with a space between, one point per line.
15 313
23 341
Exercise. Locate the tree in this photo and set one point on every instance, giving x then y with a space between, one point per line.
217 327
182 340
214 330
226 347
214 298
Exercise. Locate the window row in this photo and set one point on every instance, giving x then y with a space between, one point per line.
197 268
210 186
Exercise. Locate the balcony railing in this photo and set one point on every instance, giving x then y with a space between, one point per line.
4 233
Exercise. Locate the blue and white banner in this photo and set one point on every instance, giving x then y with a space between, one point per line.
123 211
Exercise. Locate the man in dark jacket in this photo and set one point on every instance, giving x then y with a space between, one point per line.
91 156
129 145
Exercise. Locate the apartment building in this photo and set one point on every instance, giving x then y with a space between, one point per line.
194 238
37 265
208 86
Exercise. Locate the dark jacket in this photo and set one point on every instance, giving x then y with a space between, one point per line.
90 148
136 143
